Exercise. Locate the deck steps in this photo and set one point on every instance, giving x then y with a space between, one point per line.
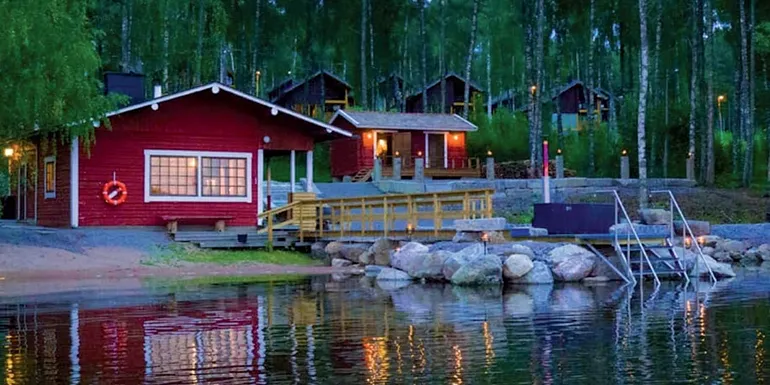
362 175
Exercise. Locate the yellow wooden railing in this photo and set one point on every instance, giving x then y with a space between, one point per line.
379 215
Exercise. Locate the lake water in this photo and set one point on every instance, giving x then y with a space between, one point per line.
316 330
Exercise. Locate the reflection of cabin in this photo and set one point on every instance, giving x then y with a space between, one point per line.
454 101
572 99
391 93
320 89
438 139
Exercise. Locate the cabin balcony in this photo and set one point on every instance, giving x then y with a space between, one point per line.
435 167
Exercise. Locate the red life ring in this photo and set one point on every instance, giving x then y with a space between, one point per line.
114 193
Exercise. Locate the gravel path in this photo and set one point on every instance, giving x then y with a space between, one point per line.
77 240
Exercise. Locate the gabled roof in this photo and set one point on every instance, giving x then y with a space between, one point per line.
404 121
216 88
449 75
598 91
313 76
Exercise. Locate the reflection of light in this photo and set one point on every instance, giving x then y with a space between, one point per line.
488 344
191 162
759 354
457 373
376 359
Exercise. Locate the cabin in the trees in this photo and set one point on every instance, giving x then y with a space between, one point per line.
506 100
454 100
197 154
573 101
438 139
391 93
319 95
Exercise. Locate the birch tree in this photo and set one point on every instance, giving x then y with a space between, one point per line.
709 62
747 129
693 81
469 58
364 92
442 56
641 118
423 58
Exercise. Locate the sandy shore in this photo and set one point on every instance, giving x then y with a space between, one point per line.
31 270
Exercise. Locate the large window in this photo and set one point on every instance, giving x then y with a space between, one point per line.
50 177
188 176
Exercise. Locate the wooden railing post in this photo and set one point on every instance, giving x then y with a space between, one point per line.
342 218
466 205
385 215
320 208
488 196
301 223
270 231
436 215
363 216
409 212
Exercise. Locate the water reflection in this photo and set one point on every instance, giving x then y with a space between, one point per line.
319 330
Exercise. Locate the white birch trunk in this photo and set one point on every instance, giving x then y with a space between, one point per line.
641 119
469 58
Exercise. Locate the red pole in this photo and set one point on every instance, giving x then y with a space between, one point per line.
545 158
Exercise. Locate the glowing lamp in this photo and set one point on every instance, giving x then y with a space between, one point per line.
489 152
701 240
369 135
419 153
398 153
259 73
533 89
687 242
558 151
624 152
456 137
8 152
721 98
485 237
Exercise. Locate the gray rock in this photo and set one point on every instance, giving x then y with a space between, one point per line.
388 274
721 270
366 258
485 270
731 246
722 256
372 270
655 216
699 228
597 279
764 252
708 250
381 250
571 263
318 251
334 249
539 275
466 237
429 267
601 269
518 248
452 263
389 285
484 224
339 262
409 257
352 252
516 266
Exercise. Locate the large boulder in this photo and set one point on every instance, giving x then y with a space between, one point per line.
334 249
722 256
339 262
373 270
539 275
353 251
655 216
708 250
454 261
409 257
466 237
485 270
720 270
388 274
601 269
735 249
764 252
518 248
483 224
318 251
381 250
516 266
429 267
571 263
699 228
366 258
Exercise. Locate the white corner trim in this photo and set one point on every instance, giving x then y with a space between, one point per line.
75 182
49 194
446 150
200 198
260 184
426 152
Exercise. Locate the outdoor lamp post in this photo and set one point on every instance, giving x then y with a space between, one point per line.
485 239
720 100
8 152
409 231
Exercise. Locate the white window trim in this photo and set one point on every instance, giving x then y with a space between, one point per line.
49 194
199 154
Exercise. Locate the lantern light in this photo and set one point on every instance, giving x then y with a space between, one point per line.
419 153
456 137
558 151
489 152
369 135
8 152
624 152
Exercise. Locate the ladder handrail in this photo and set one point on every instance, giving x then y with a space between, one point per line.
619 203
687 228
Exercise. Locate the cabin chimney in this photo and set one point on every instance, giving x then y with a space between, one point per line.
157 90
129 84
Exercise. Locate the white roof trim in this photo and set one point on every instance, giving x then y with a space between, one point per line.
466 121
346 116
235 92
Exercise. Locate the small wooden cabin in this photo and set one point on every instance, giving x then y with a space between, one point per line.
320 91
572 99
454 101
438 139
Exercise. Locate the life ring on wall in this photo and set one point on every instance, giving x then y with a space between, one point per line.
114 193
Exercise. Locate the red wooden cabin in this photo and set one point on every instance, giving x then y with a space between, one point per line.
439 139
196 153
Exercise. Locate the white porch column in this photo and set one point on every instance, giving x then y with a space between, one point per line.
260 183
309 169
74 182
446 147
427 153
374 145
292 170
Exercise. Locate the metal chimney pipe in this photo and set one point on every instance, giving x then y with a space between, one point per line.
157 91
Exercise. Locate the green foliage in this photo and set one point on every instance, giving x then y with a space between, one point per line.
506 135
576 148
174 254
50 70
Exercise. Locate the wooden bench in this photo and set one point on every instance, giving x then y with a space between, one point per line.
172 221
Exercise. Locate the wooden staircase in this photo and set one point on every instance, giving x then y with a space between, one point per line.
362 175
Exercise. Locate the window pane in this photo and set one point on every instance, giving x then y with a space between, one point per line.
173 176
226 176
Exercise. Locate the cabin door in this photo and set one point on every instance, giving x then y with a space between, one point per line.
435 150
402 146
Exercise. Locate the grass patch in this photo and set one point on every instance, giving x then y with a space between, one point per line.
173 254
185 283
